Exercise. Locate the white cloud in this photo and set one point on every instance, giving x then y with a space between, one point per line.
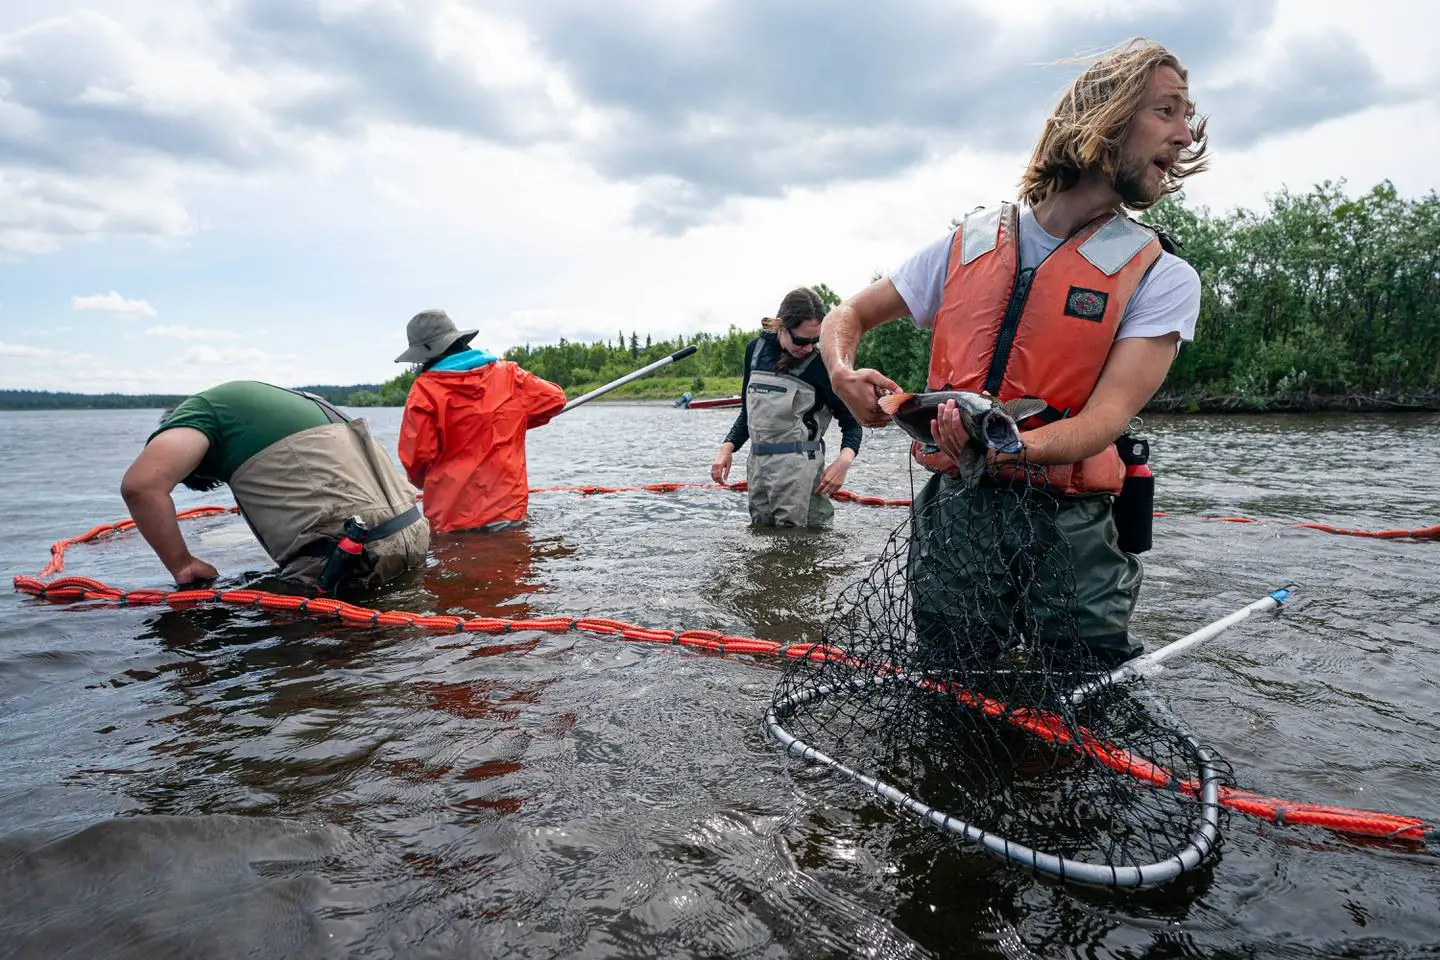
30 367
35 368
104 134
113 304
330 198
218 356
42 211
191 333
20 351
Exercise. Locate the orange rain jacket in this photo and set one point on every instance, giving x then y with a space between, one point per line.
462 441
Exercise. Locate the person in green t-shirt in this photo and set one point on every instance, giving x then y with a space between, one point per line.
239 419
298 468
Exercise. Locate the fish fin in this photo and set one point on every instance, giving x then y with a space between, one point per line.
892 402
1023 408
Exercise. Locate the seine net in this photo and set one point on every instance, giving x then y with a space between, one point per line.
945 685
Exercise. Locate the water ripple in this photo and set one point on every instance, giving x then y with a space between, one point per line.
288 786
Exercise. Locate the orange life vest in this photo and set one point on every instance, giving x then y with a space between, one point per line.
1045 332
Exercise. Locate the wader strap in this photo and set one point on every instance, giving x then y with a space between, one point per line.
1049 414
328 408
793 446
326 546
392 526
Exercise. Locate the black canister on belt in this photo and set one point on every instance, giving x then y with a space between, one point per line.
1135 505
345 558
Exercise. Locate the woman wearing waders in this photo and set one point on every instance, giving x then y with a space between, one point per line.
788 406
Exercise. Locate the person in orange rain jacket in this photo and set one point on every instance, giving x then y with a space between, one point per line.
462 438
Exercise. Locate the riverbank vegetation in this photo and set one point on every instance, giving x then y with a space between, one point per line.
1317 301
52 400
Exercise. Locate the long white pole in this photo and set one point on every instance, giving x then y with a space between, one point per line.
1141 665
680 354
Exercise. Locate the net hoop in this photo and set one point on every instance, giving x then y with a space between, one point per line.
1202 842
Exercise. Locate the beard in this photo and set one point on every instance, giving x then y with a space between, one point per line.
1132 185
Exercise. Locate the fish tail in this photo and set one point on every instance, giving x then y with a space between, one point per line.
892 402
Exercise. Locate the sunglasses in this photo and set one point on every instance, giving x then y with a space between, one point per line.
804 341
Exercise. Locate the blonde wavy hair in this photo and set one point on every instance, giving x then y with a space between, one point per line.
1088 126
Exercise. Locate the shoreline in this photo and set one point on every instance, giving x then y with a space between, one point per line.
1354 402
1179 404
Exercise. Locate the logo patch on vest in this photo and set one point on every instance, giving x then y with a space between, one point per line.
1086 304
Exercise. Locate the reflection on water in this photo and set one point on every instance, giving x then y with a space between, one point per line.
490 573
228 783
783 582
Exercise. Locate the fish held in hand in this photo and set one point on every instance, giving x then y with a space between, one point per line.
990 424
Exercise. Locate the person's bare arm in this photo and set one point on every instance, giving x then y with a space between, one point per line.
166 460
840 339
1136 368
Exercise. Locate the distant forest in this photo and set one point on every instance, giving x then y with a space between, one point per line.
1317 301
50 400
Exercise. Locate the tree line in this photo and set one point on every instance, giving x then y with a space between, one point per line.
1315 300
58 400
63 400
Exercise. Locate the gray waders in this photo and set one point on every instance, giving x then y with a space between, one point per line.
787 449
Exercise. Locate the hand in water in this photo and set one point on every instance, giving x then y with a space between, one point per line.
833 478
195 573
720 469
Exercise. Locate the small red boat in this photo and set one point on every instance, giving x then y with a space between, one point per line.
717 402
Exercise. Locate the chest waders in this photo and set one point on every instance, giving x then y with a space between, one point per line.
787 449
330 497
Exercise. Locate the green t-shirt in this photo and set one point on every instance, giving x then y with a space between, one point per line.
241 418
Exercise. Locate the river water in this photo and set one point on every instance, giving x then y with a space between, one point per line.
227 783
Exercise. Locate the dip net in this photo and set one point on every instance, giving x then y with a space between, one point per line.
946 685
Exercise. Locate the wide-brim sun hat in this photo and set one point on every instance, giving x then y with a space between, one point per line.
431 333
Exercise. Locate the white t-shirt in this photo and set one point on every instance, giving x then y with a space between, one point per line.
1167 300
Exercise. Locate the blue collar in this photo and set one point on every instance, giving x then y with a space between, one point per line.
469 360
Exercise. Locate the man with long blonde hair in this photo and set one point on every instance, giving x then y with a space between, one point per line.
1063 298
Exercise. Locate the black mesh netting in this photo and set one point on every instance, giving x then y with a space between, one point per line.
946 685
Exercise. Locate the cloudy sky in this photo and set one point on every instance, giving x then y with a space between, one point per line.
198 191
